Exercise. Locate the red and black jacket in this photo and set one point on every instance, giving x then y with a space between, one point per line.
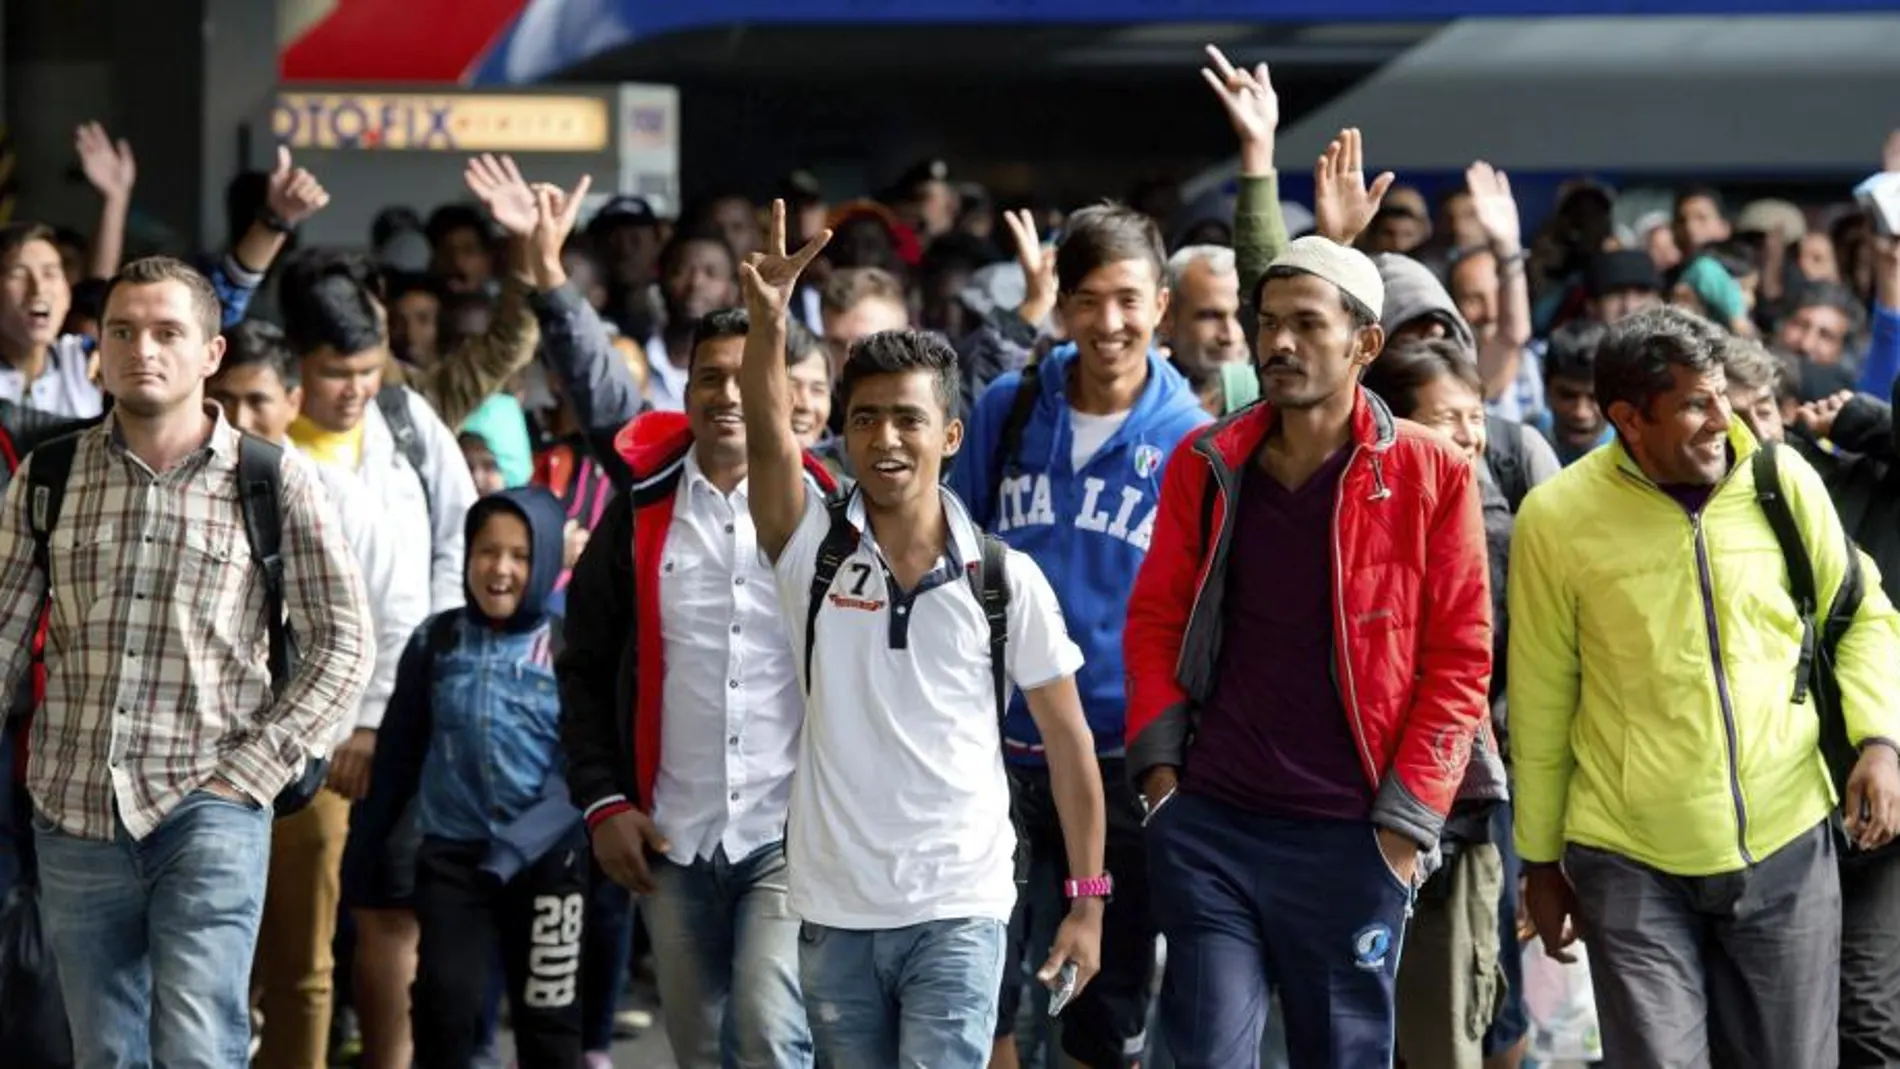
1411 607
612 668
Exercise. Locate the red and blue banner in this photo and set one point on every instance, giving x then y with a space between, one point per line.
517 42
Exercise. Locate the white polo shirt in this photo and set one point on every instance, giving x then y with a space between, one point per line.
900 808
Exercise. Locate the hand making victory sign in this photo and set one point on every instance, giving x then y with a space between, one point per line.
1252 106
774 464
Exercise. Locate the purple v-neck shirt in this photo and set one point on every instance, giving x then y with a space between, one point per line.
1273 737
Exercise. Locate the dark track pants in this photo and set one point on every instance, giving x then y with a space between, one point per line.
1308 908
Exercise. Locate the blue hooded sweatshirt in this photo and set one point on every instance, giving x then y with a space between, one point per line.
1088 530
473 728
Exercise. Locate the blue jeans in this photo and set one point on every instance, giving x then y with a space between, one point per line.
922 997
725 955
1306 908
154 938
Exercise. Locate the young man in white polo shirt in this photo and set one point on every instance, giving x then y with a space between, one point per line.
900 847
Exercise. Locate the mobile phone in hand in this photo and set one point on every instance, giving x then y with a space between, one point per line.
1064 991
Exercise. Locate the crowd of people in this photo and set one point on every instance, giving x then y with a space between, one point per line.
1252 645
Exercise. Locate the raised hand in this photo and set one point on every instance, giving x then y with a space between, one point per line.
1343 205
1890 152
769 277
1252 106
555 211
1496 209
1818 416
1039 267
293 194
498 184
109 165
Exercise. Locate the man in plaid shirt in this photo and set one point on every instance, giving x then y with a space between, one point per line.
159 747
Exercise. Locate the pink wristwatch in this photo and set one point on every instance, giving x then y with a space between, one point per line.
1102 887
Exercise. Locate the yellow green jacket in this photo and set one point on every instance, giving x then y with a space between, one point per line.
1652 661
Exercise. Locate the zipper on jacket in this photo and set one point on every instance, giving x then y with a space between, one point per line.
1706 586
1344 656
1212 549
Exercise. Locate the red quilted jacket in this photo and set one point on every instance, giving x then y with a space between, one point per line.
1411 604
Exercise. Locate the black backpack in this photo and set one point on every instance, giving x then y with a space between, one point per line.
990 583
1820 636
260 476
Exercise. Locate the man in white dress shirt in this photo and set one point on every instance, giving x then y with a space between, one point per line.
694 816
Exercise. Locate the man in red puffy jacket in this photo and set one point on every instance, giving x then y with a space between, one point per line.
1308 649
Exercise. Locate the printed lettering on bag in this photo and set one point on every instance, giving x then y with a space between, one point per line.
554 952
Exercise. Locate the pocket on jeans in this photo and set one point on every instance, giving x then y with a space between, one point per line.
202 794
810 934
1150 820
1378 851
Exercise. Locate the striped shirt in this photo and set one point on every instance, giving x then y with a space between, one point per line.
157 663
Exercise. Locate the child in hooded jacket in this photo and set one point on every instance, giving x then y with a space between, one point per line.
472 734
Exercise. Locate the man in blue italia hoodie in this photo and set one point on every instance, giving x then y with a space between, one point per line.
473 734
1063 461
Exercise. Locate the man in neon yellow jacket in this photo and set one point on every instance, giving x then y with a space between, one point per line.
1671 801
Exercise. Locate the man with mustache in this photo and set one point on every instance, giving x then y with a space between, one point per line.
1652 629
1308 649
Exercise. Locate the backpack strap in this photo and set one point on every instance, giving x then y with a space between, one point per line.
1022 406
1794 550
46 474
260 484
393 401
990 582
841 540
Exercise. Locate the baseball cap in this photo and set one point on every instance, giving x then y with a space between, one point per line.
1622 269
623 210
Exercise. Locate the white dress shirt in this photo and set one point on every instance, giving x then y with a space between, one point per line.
64 388
731 707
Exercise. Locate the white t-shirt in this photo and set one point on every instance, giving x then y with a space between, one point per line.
900 808
1088 434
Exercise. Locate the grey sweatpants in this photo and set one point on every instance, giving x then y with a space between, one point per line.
1740 970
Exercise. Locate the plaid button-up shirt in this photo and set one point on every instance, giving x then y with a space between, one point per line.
157 659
